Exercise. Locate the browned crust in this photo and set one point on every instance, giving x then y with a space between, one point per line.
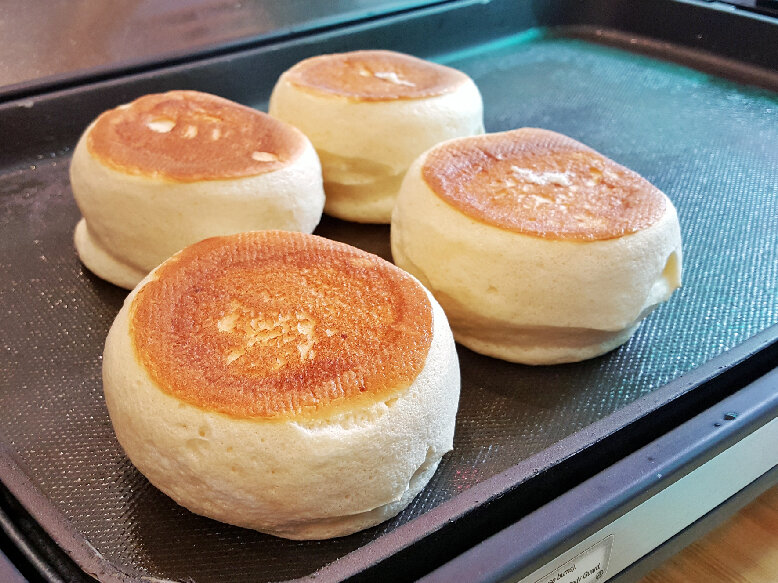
188 136
274 324
543 184
374 76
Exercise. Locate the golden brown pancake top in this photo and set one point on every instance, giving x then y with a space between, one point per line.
543 184
188 136
374 76
274 324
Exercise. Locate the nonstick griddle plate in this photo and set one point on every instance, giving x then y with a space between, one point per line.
709 143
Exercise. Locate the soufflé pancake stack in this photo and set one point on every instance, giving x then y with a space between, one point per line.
283 382
369 115
155 175
540 249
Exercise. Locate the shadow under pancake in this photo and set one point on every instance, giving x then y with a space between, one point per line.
372 238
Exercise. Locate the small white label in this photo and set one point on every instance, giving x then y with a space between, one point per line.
590 565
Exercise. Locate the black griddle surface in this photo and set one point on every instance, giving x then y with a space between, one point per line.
710 144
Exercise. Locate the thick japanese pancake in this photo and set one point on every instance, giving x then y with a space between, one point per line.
166 170
539 249
283 382
369 114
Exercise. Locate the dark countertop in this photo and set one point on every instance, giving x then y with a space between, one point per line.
49 40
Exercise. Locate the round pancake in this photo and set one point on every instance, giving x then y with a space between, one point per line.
540 183
374 76
260 392
188 136
275 324
539 249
